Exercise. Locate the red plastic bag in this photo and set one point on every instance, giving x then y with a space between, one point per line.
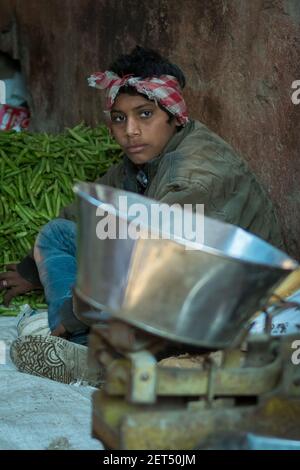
13 118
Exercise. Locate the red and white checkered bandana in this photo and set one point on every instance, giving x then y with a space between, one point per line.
164 89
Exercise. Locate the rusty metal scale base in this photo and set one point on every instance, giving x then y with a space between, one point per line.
144 405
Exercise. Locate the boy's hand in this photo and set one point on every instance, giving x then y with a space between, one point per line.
14 284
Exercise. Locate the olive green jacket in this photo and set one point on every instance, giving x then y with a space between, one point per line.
198 167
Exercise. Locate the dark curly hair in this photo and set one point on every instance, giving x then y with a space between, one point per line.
143 62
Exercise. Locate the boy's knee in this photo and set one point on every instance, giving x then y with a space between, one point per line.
53 235
51 228
57 228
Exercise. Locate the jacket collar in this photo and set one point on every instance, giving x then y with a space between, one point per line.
150 168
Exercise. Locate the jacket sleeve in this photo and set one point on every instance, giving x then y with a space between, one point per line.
194 194
230 210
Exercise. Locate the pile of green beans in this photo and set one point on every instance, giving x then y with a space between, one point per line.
37 173
36 301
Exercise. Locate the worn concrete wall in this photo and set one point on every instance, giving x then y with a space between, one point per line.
240 58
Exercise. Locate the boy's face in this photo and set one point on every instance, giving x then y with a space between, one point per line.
140 127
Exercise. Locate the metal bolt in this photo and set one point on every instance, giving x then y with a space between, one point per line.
145 376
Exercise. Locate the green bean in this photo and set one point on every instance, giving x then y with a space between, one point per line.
31 164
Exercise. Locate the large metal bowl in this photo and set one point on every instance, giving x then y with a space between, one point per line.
201 297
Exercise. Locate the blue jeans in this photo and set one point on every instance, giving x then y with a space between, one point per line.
55 257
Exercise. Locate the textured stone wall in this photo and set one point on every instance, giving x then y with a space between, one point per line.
240 58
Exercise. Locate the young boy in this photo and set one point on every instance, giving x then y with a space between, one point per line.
168 157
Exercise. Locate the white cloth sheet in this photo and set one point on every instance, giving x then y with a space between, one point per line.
37 413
